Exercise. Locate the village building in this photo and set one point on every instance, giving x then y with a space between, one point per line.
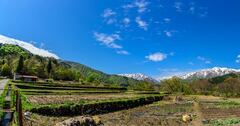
25 78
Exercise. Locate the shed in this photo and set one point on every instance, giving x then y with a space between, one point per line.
25 78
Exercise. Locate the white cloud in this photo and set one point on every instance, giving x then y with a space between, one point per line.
111 21
178 6
141 23
157 57
123 52
167 20
169 33
128 6
126 22
142 5
108 13
208 62
192 9
108 39
238 59
109 16
203 59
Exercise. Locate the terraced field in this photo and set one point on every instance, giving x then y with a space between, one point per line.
60 100
53 103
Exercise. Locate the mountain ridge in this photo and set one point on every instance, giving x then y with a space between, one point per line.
139 76
209 73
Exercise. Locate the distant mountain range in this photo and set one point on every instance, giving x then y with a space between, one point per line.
210 73
201 74
139 76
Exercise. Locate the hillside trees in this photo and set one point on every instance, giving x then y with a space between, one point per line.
230 87
142 86
201 86
6 71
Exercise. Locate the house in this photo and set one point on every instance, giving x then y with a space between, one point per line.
25 78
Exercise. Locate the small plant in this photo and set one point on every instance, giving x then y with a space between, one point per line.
224 122
228 104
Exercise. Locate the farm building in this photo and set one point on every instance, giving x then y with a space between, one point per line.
25 78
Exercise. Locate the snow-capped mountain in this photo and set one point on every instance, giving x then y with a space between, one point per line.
139 76
30 47
210 73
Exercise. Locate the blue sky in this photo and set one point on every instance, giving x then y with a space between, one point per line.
154 37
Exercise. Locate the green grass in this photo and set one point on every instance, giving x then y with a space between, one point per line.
228 104
224 122
2 100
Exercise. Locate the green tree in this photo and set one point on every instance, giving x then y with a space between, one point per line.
20 65
49 67
202 86
175 85
230 87
6 71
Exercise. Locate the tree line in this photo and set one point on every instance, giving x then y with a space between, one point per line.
227 87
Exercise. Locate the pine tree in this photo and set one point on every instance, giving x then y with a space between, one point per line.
20 65
49 67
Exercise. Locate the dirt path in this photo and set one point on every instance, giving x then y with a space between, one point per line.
3 84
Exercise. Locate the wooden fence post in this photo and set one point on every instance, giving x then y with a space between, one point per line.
19 108
20 112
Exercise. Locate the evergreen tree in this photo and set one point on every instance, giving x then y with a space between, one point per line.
49 67
20 65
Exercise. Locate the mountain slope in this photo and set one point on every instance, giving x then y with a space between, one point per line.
13 50
61 70
210 73
221 79
31 48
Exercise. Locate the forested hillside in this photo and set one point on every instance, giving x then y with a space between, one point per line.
14 59
226 85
